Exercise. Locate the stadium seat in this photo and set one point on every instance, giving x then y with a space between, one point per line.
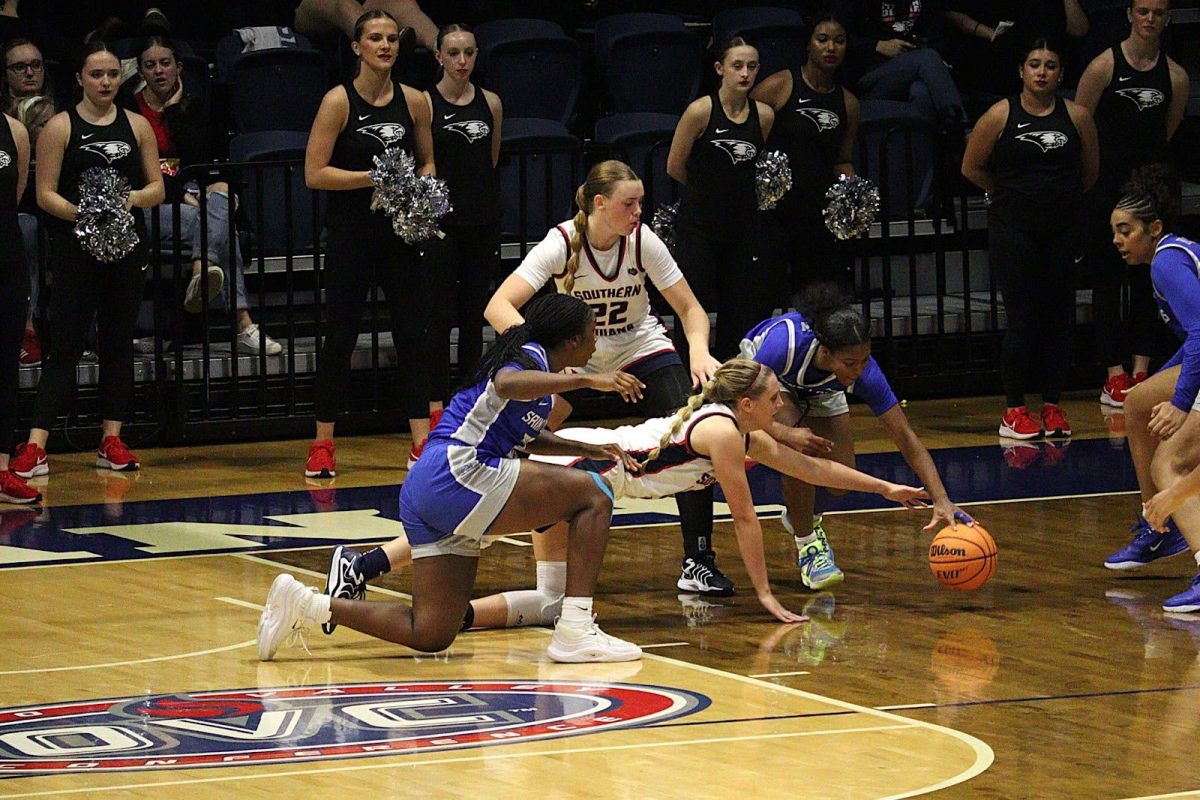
540 168
642 140
532 65
881 129
629 47
266 208
277 90
230 49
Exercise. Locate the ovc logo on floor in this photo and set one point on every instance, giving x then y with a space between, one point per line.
272 726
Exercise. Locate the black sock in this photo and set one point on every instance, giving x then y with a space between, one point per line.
372 564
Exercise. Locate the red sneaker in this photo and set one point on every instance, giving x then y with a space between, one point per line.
1054 422
1113 393
435 417
114 455
31 349
15 490
414 453
29 461
320 462
1140 377
1018 424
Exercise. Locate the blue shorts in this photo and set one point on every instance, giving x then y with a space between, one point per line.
452 496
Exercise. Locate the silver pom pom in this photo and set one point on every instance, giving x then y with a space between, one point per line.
772 179
853 206
414 203
663 223
104 227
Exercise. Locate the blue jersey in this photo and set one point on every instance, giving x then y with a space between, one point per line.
788 345
1175 272
494 427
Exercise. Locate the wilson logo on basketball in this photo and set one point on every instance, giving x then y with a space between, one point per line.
942 550
272 726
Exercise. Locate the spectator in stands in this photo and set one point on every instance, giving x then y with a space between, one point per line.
24 73
315 16
816 120
894 51
605 255
93 133
355 122
14 294
986 37
466 146
1036 154
1138 96
33 112
718 236
181 129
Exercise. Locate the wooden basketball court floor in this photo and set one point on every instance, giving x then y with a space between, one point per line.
129 606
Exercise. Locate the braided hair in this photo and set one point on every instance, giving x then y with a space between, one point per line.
733 380
601 179
550 320
1152 192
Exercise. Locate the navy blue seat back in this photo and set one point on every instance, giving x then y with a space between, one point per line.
540 168
671 60
229 50
642 140
265 205
277 90
609 29
881 135
533 65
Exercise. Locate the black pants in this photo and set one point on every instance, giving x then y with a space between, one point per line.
732 278
807 252
461 268
14 300
83 288
1035 272
667 389
1118 336
356 260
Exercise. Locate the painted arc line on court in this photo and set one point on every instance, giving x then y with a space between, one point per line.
984 756
243 603
467 759
173 657
778 674
666 644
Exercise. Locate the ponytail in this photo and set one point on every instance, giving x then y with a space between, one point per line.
835 322
1152 192
601 179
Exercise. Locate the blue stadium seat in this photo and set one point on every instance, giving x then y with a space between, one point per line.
881 129
229 50
655 45
643 140
277 90
266 208
540 168
779 34
532 65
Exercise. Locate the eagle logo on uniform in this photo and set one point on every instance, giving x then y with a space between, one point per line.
387 132
5 159
473 129
1143 98
736 149
109 151
824 120
1047 140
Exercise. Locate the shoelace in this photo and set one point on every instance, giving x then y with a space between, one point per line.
818 559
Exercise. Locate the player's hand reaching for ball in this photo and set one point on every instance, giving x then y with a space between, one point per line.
624 384
907 496
950 514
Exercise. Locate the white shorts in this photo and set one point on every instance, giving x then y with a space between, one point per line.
620 352
614 472
819 404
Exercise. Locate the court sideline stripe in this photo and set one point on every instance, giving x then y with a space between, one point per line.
303 571
488 756
983 752
172 657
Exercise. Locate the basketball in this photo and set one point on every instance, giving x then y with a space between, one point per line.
963 558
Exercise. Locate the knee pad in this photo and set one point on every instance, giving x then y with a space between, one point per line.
532 607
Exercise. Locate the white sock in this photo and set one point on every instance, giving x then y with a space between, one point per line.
804 541
552 577
318 608
1197 557
576 612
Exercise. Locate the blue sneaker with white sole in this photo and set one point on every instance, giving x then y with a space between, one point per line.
1185 602
1148 545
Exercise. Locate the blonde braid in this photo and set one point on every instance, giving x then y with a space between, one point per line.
581 217
733 380
601 179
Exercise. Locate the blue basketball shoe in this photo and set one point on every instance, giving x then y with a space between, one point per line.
1147 545
1187 601
817 569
